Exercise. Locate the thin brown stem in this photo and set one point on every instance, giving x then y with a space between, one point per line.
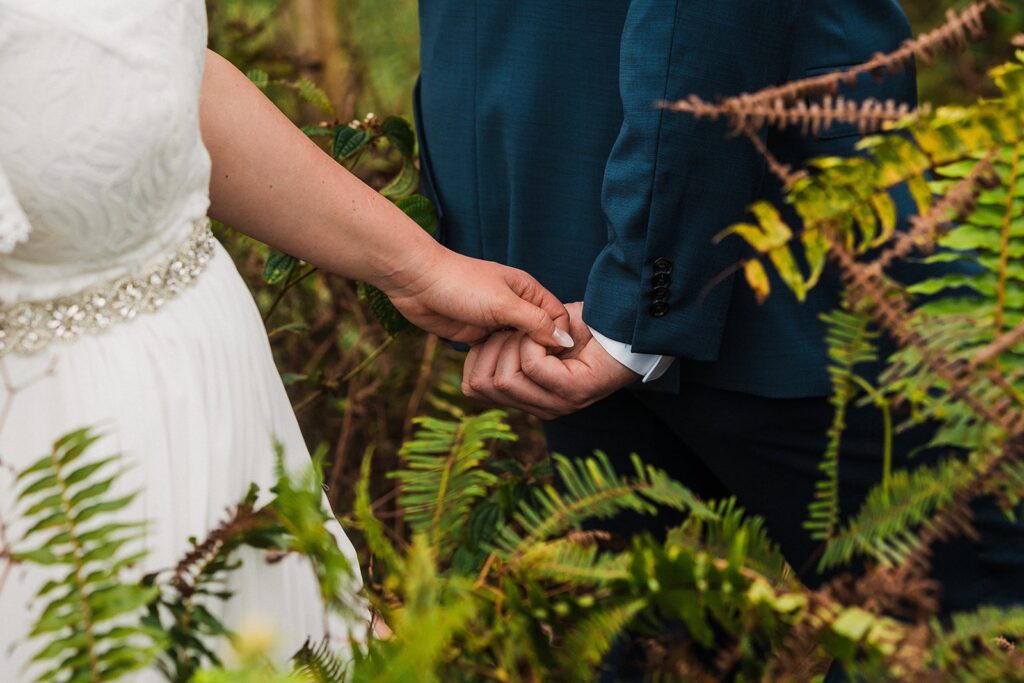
1004 242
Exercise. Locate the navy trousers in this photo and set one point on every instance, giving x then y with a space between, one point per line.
765 452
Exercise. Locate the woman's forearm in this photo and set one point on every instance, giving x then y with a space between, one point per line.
270 181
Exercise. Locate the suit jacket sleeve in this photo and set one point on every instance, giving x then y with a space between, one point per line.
671 182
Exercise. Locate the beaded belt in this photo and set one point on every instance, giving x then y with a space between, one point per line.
31 326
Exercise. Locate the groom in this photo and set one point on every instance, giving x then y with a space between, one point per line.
544 150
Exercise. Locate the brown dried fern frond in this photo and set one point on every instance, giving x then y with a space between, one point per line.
750 112
241 519
925 230
957 519
870 116
999 346
890 308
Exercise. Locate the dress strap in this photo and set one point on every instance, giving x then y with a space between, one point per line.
14 225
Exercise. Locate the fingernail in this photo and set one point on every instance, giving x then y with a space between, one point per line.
563 338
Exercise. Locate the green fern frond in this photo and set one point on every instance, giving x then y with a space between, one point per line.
310 92
87 621
587 644
568 560
200 575
318 663
851 342
435 610
373 531
887 525
259 77
716 536
302 513
442 477
971 633
591 489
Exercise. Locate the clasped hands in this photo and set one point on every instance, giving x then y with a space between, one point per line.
549 366
511 369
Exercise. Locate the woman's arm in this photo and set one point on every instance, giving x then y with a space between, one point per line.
272 182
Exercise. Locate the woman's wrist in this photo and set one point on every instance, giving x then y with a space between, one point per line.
403 270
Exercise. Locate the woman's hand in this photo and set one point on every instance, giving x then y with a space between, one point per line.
466 299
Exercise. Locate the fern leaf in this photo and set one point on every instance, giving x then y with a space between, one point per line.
591 489
716 534
886 526
368 523
850 343
86 620
310 92
569 561
442 478
972 632
318 663
587 644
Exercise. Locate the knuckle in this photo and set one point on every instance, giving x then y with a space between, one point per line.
503 382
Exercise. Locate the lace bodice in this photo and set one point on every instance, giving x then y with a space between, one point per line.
102 166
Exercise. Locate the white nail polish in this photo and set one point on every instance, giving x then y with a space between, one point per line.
563 338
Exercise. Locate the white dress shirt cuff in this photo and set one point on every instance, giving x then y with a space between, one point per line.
647 365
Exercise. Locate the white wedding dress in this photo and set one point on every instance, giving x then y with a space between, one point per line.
103 195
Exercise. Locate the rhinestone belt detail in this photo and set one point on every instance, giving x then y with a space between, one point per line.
33 325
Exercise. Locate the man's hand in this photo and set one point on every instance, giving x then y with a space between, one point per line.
512 370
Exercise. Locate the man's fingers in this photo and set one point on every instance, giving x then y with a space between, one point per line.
492 373
548 372
478 371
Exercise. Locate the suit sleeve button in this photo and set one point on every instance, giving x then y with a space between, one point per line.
660 293
662 265
661 280
659 309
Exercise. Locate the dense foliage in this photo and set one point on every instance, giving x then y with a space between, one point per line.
478 566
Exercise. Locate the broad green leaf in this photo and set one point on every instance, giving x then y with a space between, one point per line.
278 267
421 210
383 310
347 141
404 184
317 131
400 134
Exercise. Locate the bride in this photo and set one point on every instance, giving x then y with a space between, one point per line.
119 134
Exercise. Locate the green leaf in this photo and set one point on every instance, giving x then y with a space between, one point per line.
278 267
88 470
383 310
348 141
400 134
317 131
313 94
259 77
421 210
404 184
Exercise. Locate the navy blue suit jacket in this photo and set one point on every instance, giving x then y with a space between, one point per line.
543 148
